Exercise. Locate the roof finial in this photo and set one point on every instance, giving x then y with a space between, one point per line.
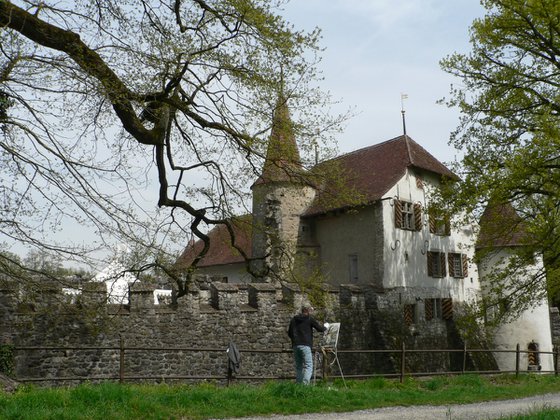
403 97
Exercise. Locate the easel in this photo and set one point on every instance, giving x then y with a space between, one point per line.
328 346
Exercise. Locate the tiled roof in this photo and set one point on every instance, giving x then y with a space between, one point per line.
221 251
501 226
365 175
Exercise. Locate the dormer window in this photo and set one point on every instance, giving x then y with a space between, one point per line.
408 215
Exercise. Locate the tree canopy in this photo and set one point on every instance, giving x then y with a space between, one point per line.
99 100
509 99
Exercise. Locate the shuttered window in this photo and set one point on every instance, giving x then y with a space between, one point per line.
436 264
433 309
439 225
458 265
408 215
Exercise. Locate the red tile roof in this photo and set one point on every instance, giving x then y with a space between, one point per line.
501 226
221 251
367 174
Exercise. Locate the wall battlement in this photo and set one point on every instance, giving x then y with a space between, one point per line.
207 295
211 315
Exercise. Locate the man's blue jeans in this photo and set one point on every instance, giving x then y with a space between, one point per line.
304 364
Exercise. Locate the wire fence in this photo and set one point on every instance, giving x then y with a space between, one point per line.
400 355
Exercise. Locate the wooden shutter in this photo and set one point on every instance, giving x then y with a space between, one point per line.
408 314
429 309
450 260
432 223
417 216
398 214
447 308
442 259
430 265
465 265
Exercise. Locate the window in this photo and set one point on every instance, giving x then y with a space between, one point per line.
533 357
304 233
439 224
432 309
436 264
408 215
458 265
353 267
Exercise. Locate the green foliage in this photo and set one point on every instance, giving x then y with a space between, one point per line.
190 90
510 130
436 384
7 359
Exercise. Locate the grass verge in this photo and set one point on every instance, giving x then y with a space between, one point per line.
204 401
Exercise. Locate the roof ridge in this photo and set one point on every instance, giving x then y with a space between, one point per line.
370 147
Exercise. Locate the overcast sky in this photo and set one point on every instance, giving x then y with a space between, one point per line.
378 49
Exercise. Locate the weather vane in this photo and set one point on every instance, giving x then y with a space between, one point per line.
403 97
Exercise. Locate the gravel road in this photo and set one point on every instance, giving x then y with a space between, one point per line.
478 411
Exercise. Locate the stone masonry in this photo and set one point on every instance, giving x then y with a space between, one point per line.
188 341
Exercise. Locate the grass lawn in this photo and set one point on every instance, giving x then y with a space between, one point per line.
203 401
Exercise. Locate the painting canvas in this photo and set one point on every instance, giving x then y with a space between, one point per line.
330 339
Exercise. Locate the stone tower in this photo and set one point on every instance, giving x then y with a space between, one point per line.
280 195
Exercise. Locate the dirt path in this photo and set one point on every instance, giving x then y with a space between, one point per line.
478 411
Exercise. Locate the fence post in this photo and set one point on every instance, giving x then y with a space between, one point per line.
402 362
464 357
121 360
517 360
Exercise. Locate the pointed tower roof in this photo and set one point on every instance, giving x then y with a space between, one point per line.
501 226
282 162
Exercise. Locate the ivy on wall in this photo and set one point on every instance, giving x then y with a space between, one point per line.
7 359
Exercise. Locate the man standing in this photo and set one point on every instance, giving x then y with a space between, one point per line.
301 333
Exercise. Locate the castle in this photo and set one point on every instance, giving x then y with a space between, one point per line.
390 272
362 219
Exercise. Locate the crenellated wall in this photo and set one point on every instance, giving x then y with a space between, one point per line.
253 316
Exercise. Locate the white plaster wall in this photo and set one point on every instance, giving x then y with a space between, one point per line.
236 273
405 250
532 324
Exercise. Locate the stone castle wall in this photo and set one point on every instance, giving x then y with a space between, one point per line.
253 316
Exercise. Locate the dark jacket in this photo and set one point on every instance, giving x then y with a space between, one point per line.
301 330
